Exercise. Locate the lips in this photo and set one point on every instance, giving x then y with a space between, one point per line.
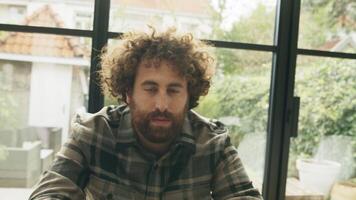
161 118
161 121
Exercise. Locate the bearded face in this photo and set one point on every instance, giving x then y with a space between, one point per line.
158 102
157 126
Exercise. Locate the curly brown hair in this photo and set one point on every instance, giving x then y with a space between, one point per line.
191 58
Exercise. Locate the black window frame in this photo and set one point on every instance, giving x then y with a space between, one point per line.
283 105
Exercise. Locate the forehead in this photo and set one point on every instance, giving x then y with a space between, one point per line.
158 71
157 63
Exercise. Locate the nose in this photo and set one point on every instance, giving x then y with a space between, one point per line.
162 102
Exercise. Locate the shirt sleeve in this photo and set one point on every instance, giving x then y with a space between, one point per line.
69 173
230 180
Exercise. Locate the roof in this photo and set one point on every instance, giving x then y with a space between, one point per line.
328 45
339 44
184 6
42 44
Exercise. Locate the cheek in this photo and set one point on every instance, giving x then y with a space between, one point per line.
143 102
179 103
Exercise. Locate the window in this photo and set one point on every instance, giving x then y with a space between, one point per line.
83 20
254 23
239 99
44 82
254 42
12 13
322 155
328 25
56 13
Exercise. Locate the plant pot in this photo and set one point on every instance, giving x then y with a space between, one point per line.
319 175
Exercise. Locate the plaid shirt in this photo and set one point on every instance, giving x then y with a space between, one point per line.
103 160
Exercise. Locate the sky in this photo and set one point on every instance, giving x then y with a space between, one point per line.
241 8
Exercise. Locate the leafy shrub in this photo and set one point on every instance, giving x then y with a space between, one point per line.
243 98
328 104
8 118
8 106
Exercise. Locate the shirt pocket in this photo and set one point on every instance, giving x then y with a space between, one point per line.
102 189
201 191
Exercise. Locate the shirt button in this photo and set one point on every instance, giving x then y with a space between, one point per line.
109 196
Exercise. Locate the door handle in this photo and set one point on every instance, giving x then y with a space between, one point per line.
294 116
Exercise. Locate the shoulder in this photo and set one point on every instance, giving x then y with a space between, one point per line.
199 122
96 123
207 130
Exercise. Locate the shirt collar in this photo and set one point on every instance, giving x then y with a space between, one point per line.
187 138
126 136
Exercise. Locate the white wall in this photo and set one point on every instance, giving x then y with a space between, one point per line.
50 96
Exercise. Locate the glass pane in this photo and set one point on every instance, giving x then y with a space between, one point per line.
322 158
43 82
328 25
76 14
230 20
108 99
239 98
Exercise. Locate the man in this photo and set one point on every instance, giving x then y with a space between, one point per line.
154 146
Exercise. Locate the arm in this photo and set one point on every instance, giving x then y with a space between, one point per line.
230 180
67 176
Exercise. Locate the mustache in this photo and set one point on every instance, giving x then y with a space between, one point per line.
160 114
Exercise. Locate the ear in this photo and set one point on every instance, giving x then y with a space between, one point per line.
128 97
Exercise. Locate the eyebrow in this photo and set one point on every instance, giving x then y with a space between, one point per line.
175 85
152 83
149 83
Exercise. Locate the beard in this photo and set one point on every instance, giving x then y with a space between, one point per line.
141 122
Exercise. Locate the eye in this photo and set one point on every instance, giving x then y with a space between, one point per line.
150 89
173 91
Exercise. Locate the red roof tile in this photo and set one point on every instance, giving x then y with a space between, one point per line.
328 45
42 44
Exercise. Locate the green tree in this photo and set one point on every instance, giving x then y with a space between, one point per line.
322 20
328 105
327 87
340 14
258 27
244 98
8 118
8 106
